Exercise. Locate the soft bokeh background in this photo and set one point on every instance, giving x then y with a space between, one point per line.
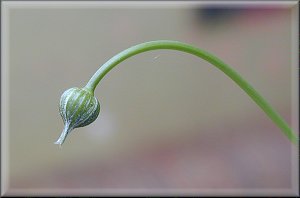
168 120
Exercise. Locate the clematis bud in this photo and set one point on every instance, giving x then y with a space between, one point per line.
78 108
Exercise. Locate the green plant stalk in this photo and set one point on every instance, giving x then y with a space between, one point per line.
175 45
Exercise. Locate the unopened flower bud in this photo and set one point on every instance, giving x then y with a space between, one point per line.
78 108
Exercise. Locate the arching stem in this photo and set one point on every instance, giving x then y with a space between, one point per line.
175 45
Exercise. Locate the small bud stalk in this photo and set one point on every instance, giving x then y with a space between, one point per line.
63 135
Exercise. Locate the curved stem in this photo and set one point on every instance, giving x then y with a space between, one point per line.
175 45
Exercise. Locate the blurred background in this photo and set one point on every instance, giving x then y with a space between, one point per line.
168 120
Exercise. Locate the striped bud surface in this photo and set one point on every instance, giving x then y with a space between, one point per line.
78 108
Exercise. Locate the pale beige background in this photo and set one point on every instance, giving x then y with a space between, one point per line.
168 120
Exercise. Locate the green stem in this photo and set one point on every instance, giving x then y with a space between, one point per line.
175 45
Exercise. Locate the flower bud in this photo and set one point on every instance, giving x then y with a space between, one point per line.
78 108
